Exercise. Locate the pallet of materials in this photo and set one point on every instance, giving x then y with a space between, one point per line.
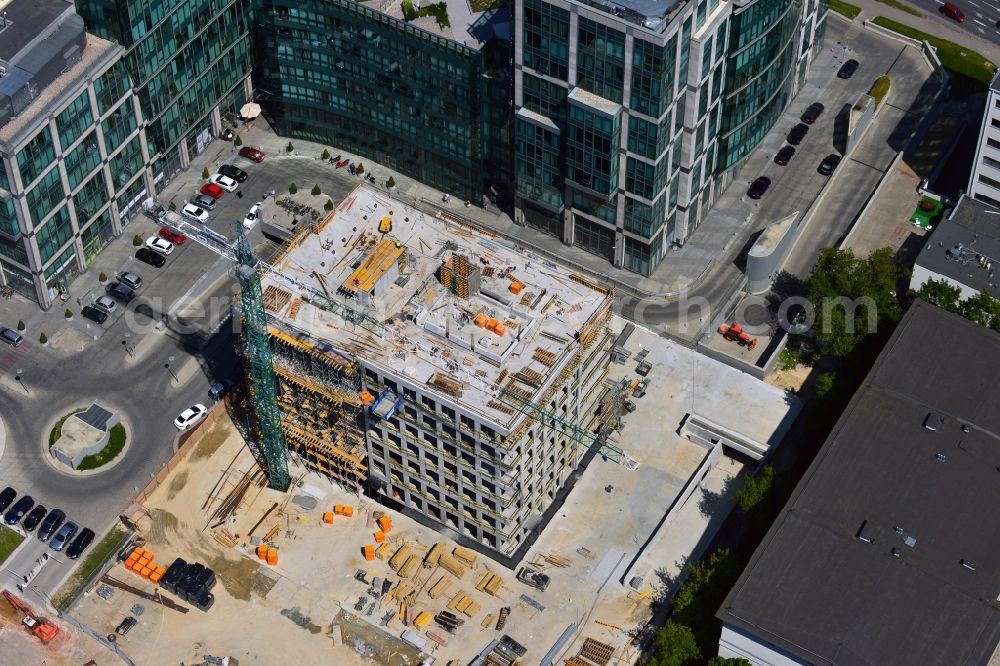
399 559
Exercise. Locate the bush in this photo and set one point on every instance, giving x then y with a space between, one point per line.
205 173
68 313
44 339
172 205
754 489
845 9
360 168
316 191
328 206
326 154
391 183
237 141
825 383
289 148
136 240
20 325
293 188
880 89
103 277
789 358
438 10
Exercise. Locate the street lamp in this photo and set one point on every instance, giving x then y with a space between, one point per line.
20 381
127 348
167 367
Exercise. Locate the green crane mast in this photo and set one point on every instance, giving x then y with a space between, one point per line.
264 391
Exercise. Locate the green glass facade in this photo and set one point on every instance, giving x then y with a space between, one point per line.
342 73
760 75
186 58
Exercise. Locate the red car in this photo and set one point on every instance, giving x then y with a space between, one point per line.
251 154
212 190
175 237
954 12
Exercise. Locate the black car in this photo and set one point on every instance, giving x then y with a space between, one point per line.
218 390
147 256
798 133
848 68
784 155
93 314
51 524
758 187
34 517
125 626
121 292
239 175
80 543
812 112
16 512
828 164
6 497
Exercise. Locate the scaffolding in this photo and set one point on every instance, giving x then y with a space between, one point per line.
461 276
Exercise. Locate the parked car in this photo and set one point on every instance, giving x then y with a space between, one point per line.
237 174
106 304
34 517
952 11
218 390
190 417
11 337
147 256
175 237
16 512
125 626
848 68
6 497
785 155
797 133
63 536
192 212
160 245
51 524
204 201
225 182
758 187
252 154
120 292
829 163
812 113
251 219
130 280
80 543
94 314
212 190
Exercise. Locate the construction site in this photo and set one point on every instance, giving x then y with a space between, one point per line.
457 455
439 368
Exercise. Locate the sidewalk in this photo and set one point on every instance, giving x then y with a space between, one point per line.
931 24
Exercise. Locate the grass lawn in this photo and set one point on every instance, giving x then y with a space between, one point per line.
483 5
903 7
844 8
57 429
9 540
116 442
98 554
970 72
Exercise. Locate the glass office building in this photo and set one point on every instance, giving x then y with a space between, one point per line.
619 106
190 61
422 96
72 153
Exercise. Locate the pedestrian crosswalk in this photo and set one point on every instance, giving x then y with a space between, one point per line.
10 359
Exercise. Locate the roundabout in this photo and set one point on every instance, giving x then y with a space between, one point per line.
87 440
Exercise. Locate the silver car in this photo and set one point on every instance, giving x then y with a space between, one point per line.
203 201
11 337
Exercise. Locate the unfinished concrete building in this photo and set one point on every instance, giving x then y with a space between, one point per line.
467 383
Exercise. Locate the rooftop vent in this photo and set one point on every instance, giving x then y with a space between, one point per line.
940 457
955 251
932 421
966 428
862 535
967 564
895 552
910 541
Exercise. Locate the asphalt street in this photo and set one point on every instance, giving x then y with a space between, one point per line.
981 17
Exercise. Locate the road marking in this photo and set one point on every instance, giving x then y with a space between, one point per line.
979 22
974 4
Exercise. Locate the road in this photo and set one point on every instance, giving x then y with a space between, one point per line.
981 16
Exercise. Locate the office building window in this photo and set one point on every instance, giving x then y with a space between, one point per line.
36 157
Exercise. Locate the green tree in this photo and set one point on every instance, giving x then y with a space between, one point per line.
293 188
103 277
982 309
852 297
391 183
326 154
316 191
701 594
675 646
289 148
941 294
825 383
69 313
237 141
789 357
173 204
20 324
360 168
755 489
136 240
328 206
731 661
205 173
44 339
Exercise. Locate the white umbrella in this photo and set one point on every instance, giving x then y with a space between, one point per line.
250 111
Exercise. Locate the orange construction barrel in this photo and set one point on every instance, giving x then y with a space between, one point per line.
379 537
347 511
272 556
499 329
481 320
516 287
369 552
328 517
262 551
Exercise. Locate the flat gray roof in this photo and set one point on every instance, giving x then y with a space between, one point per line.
924 500
26 20
953 249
